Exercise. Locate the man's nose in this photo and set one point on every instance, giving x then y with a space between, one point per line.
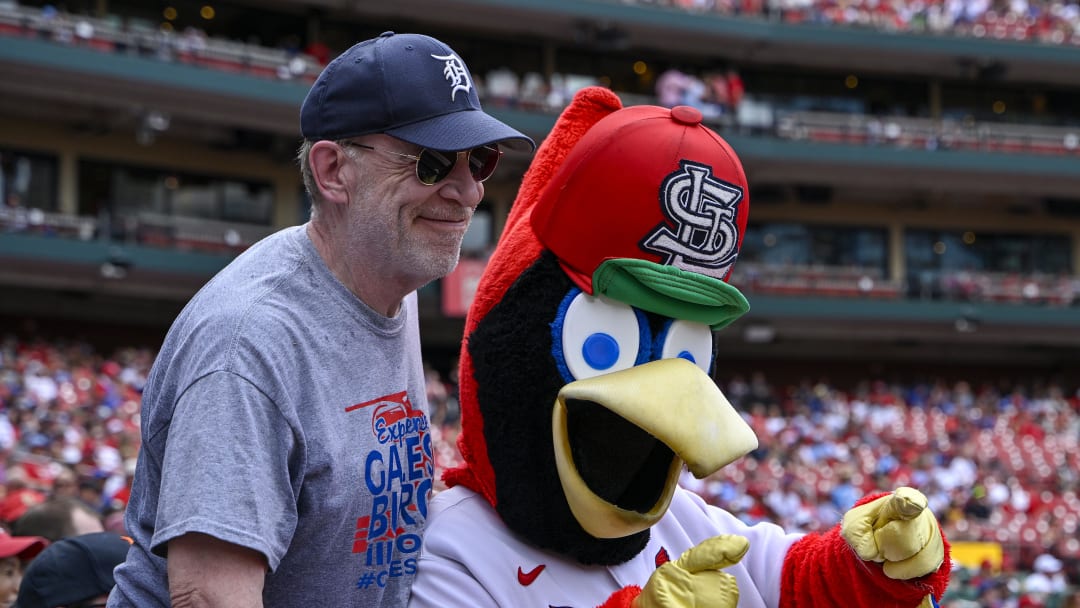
460 185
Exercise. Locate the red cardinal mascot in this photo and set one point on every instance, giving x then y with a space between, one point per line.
586 391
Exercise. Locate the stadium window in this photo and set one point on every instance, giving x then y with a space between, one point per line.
970 268
248 202
991 252
790 244
28 180
479 238
126 193
194 197
164 207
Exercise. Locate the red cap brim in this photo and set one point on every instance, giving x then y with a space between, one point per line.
23 547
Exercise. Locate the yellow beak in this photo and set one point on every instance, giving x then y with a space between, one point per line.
675 402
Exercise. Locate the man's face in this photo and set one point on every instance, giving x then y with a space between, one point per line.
409 229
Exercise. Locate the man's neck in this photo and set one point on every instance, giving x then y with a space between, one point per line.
384 295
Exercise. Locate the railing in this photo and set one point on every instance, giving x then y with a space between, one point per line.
153 229
221 237
840 281
191 46
1056 290
927 133
1060 290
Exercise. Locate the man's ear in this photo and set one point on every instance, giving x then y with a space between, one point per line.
329 165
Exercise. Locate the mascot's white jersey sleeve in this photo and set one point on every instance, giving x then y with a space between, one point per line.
470 559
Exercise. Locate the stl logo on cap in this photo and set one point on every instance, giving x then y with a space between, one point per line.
455 73
704 210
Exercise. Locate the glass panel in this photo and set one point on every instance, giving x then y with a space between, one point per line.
1019 253
28 180
965 265
124 190
247 202
784 244
194 197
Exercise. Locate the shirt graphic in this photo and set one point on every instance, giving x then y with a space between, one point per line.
397 474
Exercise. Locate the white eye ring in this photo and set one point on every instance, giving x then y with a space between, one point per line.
689 340
600 336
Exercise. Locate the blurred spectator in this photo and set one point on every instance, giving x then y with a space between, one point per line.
75 571
90 493
437 395
1048 576
501 87
844 493
18 496
319 52
673 88
15 553
58 518
65 484
735 90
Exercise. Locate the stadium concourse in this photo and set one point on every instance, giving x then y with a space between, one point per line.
998 463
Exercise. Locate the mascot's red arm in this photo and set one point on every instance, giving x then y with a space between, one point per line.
822 571
623 598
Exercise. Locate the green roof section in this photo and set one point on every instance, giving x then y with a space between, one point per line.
93 253
150 71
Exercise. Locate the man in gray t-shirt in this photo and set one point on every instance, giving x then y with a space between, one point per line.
286 459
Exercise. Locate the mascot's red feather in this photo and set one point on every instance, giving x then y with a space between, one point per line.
585 393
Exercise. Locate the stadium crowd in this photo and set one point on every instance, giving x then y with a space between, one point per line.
1044 21
1000 464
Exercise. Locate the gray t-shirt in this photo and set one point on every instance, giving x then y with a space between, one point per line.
284 415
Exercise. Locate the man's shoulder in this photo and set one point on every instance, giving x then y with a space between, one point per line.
253 278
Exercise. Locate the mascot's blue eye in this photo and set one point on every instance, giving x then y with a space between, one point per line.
593 335
686 340
600 351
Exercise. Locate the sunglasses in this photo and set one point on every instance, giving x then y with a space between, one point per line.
432 166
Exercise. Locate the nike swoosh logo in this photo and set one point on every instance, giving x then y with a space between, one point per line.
527 578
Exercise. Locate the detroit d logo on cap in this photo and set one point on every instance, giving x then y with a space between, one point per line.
704 211
455 73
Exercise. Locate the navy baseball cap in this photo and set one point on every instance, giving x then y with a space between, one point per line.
408 86
72 569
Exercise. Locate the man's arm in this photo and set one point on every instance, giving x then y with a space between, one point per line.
205 572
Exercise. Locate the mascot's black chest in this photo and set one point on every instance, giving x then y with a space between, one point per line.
517 382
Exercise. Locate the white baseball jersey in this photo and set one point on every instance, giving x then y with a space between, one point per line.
470 559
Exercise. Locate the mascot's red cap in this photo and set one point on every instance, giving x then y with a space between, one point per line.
649 208
607 226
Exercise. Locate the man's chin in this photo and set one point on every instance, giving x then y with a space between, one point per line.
436 264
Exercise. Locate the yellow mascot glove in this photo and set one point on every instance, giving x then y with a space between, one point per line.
694 580
898 530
